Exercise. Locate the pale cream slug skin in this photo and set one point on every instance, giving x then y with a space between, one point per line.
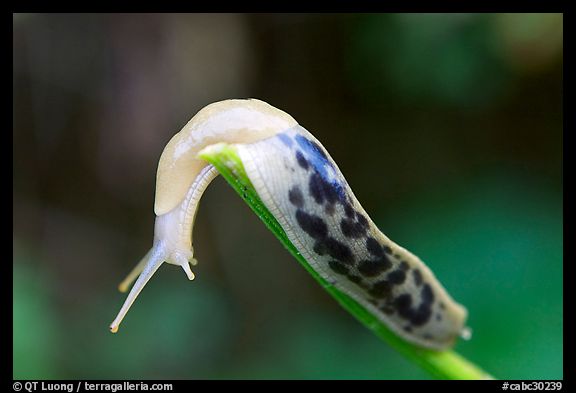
303 188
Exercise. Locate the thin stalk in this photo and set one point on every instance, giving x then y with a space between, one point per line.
440 364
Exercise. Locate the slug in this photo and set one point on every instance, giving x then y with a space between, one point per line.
303 188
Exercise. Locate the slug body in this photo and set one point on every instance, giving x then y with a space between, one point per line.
303 188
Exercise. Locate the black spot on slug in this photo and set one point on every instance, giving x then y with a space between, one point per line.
427 294
315 155
361 219
301 160
352 229
387 250
396 277
319 248
438 317
316 188
374 247
421 315
335 249
417 277
381 289
295 196
355 279
348 210
417 316
338 250
334 192
311 224
338 267
323 190
371 268
403 304
404 266
408 328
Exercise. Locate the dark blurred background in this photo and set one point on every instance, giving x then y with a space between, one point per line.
447 126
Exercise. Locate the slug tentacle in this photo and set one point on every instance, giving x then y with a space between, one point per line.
303 188
134 273
172 241
155 258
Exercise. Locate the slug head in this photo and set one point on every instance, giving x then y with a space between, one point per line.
182 178
232 121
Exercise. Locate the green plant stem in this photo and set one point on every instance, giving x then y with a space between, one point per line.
441 364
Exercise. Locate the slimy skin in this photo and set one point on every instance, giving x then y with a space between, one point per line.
231 121
303 188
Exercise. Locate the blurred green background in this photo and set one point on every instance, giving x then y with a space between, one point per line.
447 126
